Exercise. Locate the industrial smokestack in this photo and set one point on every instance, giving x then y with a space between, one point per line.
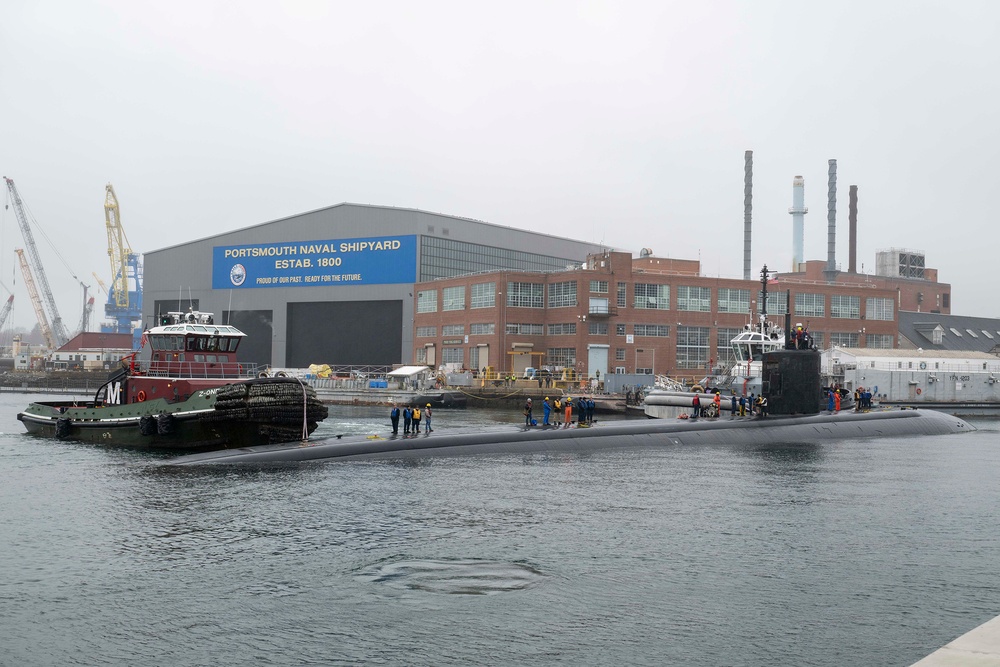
831 221
747 210
852 217
798 211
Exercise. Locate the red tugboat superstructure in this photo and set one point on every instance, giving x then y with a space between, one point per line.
185 390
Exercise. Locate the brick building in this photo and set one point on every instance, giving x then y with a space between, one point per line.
619 314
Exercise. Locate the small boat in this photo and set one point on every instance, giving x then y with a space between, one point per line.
184 390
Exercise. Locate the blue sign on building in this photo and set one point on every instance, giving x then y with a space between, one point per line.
380 260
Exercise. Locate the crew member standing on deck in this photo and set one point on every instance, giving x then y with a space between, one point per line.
546 411
734 405
568 416
416 419
695 406
427 419
394 418
527 412
407 418
718 403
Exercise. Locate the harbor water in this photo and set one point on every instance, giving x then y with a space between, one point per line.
861 552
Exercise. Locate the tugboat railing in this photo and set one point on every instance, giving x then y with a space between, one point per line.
197 369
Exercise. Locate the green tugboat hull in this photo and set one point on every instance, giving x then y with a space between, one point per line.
254 412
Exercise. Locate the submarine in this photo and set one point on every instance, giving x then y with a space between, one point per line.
790 380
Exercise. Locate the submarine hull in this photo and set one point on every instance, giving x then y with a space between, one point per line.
605 435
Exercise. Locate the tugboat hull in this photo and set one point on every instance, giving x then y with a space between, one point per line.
255 412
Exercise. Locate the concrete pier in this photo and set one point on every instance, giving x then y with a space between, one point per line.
977 648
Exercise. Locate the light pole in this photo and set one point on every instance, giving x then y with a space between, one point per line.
104 354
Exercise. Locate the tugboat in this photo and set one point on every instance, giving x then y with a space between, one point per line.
184 390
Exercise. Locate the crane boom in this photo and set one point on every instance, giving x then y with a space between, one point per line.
88 308
58 328
6 310
29 282
118 247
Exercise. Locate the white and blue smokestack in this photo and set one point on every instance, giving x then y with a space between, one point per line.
798 211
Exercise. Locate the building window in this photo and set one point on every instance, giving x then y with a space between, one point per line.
453 298
696 299
599 305
481 329
777 302
734 300
562 295
427 301
620 330
483 295
845 307
427 332
453 330
619 354
819 339
622 295
524 329
725 357
444 258
810 305
524 295
879 341
655 330
561 356
597 328
692 347
844 339
421 356
453 355
566 329
879 309
652 297
599 286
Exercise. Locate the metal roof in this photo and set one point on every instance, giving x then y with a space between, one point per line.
958 332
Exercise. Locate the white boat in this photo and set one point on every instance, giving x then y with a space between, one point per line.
760 335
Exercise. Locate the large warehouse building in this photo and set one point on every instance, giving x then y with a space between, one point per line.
336 285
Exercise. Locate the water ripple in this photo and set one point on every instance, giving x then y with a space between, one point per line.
454 577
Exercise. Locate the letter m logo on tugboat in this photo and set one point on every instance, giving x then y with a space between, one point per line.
114 396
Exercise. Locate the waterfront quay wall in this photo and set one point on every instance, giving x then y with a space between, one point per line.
474 397
53 382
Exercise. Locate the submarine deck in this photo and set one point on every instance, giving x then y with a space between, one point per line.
604 435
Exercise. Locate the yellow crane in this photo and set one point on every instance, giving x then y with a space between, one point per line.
118 247
36 301
104 288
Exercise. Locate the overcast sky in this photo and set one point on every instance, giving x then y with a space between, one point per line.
622 123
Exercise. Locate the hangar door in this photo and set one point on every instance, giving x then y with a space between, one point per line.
358 333
257 325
